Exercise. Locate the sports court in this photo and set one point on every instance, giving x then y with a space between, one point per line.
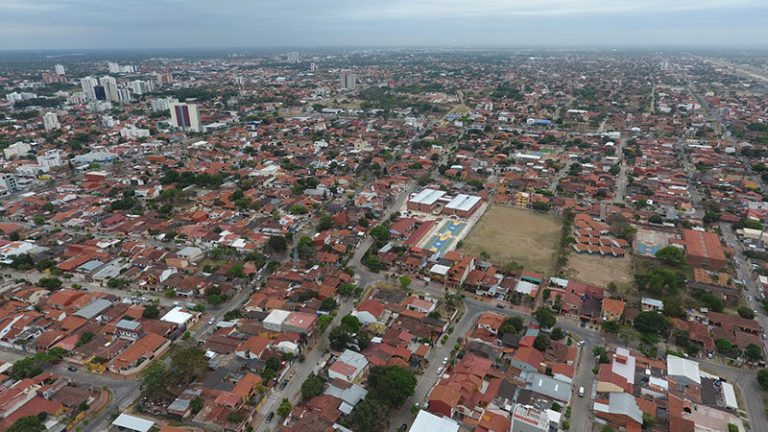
648 242
445 237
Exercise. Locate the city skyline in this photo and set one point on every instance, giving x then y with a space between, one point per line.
85 24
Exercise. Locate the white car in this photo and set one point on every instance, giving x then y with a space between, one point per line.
445 360
439 370
212 320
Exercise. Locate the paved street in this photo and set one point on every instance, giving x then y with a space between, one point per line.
316 353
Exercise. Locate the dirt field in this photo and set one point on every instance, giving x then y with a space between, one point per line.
510 234
600 271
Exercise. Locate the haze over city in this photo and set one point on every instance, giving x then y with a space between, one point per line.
383 216
82 24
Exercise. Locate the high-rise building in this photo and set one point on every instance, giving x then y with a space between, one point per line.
88 84
100 93
313 67
13 97
51 159
162 104
60 69
293 57
185 116
139 87
8 184
113 67
51 121
110 88
77 98
124 95
348 81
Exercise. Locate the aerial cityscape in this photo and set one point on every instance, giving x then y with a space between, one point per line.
299 234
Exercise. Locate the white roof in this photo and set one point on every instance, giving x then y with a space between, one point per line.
439 269
428 422
277 316
627 369
428 196
730 396
131 422
559 282
680 367
177 316
653 302
463 202
525 287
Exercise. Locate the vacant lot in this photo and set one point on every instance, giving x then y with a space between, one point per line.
600 271
509 235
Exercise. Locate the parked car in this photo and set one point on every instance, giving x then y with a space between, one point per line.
270 416
71 368
581 391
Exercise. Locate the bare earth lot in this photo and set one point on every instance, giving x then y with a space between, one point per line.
510 234
600 271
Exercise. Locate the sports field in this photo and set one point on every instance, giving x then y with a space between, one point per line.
445 237
510 234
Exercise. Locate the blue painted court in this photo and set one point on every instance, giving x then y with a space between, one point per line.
452 227
444 239
647 249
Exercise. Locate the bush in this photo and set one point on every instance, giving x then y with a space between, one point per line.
746 312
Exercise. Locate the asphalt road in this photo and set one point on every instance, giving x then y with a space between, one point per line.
317 352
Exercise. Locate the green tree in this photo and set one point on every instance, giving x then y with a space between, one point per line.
746 312
545 317
611 326
236 417
405 282
541 342
671 255
236 271
155 380
347 289
325 223
151 311
380 233
27 424
369 415
762 378
724 346
753 353
187 362
351 322
312 386
557 334
285 408
512 325
277 244
196 404
50 283
651 322
391 385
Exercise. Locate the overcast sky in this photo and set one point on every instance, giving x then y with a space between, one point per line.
26 24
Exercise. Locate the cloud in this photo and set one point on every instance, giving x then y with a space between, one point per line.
206 23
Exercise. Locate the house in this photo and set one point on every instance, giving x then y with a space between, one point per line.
613 309
139 354
252 348
428 422
648 304
349 367
369 312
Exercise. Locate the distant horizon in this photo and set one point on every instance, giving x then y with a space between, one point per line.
177 24
276 49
